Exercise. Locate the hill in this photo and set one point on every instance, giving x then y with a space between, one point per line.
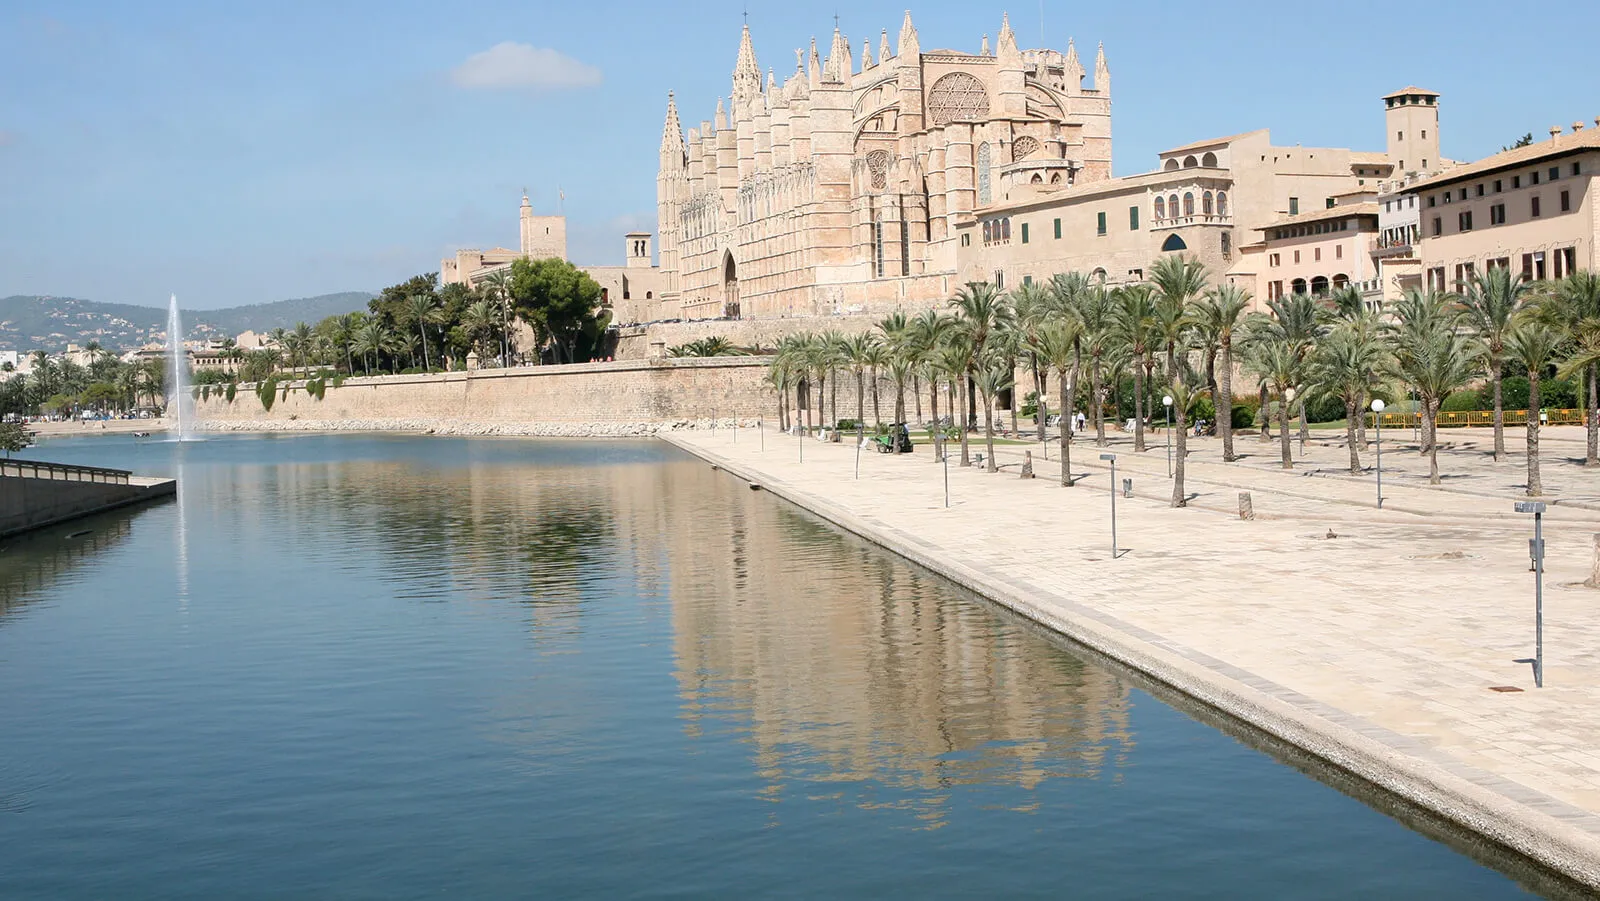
51 323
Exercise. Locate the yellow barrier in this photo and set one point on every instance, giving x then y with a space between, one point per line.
1480 419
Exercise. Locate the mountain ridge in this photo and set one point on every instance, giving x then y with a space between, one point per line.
31 322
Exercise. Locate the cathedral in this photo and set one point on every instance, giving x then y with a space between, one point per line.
839 191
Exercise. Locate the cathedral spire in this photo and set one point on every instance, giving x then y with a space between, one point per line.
866 54
1008 41
1102 72
910 47
746 72
1072 68
672 129
839 67
985 50
883 46
814 70
722 115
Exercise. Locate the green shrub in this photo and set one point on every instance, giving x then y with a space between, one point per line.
1324 409
338 380
1464 402
1244 416
231 392
845 425
267 391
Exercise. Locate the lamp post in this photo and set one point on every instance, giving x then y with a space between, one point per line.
1377 420
860 435
1536 550
944 457
1167 402
761 428
1112 459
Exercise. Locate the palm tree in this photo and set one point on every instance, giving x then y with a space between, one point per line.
371 339
423 309
1031 303
1299 319
1135 315
1574 307
1058 342
1420 319
1219 315
1345 366
994 374
1352 314
1185 392
875 359
953 359
344 335
926 332
1278 362
1096 309
1178 280
497 289
858 350
1437 364
1534 346
981 311
480 320
898 339
1491 301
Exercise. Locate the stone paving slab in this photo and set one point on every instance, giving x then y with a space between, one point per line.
1375 650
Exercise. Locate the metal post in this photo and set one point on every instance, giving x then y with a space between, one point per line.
1169 441
1536 551
713 422
762 428
1538 597
944 454
859 436
736 430
1112 458
802 444
1378 418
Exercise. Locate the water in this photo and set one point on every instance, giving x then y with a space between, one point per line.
346 666
180 405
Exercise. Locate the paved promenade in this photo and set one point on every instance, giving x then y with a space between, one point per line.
1372 638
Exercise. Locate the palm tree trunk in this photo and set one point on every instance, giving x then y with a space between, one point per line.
1224 403
834 422
1138 408
877 417
933 398
988 432
1592 421
1361 416
1039 378
1426 411
1499 414
1535 487
1264 414
861 396
423 329
1098 401
916 394
1350 435
1283 434
1067 388
1180 498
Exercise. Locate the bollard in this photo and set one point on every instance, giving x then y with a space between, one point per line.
1027 464
1127 487
1247 510
1594 569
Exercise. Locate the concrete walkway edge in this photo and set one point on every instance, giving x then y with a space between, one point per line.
1475 799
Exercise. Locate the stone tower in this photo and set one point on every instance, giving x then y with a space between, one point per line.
1412 117
543 236
672 188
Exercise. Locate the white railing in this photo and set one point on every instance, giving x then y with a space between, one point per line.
30 469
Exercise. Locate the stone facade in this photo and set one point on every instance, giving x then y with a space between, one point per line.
840 191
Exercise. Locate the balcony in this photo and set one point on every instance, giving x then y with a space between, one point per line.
1185 221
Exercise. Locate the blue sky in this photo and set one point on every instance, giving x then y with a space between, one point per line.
242 153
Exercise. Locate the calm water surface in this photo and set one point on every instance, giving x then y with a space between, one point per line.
398 667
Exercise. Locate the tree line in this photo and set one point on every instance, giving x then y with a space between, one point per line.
1173 343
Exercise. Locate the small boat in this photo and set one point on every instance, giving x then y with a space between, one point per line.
141 434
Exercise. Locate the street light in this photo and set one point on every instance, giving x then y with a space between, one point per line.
1377 419
1167 402
1536 550
1112 459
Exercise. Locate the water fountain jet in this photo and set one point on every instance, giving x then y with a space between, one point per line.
179 403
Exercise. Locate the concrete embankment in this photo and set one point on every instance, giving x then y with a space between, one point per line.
473 428
34 495
1367 650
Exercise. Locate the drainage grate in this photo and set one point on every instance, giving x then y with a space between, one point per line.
1504 688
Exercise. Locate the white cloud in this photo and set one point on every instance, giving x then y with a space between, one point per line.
513 65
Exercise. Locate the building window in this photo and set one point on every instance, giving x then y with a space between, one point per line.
988 232
1566 201
1005 229
1399 136
1533 207
1575 168
1100 223
1206 203
1294 206
1431 199
1222 203
1566 261
877 242
1436 279
1480 190
1027 279
1497 186
1297 256
1533 177
1424 134
905 247
1274 290
1464 221
966 240
1316 254
1516 181
1133 218
1227 244
1438 226
1338 251
1172 206
1058 229
1188 203
999 280
1274 260
1497 214
1555 172
1024 232
1161 209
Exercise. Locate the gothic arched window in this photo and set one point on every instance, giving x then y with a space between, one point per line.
1188 203
1172 206
1222 203
985 196
1205 203
1161 208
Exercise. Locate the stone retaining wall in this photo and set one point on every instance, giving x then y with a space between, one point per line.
590 399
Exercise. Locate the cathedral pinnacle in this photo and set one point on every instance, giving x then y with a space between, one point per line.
746 72
909 45
985 50
672 130
1008 41
883 46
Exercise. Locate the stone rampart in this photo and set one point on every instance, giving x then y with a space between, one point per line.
31 503
600 399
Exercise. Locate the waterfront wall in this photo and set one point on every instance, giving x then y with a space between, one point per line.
617 398
32 503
